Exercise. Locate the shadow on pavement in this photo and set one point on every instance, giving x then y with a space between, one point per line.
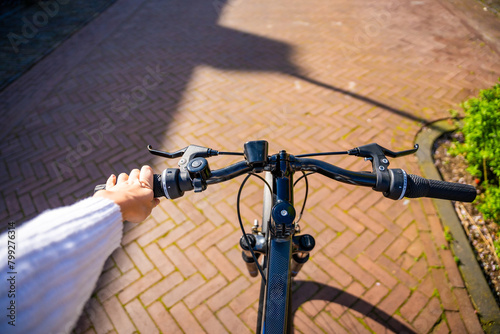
310 291
98 118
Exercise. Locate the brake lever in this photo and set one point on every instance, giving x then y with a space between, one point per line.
373 150
187 153
168 155
392 154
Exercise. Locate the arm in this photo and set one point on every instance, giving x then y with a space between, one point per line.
61 253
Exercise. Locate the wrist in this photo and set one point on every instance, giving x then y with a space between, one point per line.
116 197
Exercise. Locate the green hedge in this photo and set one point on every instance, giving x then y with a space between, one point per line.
481 147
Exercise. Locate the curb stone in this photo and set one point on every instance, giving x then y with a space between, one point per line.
477 287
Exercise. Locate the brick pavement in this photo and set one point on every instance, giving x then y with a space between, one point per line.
307 77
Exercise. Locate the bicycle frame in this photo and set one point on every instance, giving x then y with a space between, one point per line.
277 225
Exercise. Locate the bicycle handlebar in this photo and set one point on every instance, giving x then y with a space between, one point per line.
195 174
408 185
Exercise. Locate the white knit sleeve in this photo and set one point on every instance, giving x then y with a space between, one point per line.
59 257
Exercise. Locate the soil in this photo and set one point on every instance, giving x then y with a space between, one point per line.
481 233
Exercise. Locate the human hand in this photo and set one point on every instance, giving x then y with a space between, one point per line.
133 193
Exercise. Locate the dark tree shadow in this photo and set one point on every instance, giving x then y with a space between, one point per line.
309 290
50 153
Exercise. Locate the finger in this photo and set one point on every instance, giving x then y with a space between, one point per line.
134 175
110 183
156 202
146 177
122 178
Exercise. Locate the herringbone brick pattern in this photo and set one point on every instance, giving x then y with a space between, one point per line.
306 76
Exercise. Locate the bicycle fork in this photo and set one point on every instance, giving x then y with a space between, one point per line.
302 245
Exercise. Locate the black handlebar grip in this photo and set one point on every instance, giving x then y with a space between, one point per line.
421 187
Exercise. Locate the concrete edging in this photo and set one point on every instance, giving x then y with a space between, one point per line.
477 287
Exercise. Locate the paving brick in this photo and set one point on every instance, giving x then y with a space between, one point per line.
347 220
455 322
155 233
119 318
327 218
158 258
312 270
382 275
194 235
397 248
175 234
419 269
305 324
414 305
415 249
173 211
180 261
371 298
140 317
222 264
352 324
428 317
231 321
204 292
451 268
420 217
377 327
207 319
118 284
139 258
210 212
107 277
378 246
185 319
137 231
366 220
437 230
355 270
162 287
444 289
98 316
338 244
396 271
201 262
163 319
391 303
441 328
344 278
430 249
467 312
360 244
190 210
383 220
122 260
182 290
345 299
225 295
134 289
214 236
411 232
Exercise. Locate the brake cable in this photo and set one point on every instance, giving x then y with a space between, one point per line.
304 176
241 222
